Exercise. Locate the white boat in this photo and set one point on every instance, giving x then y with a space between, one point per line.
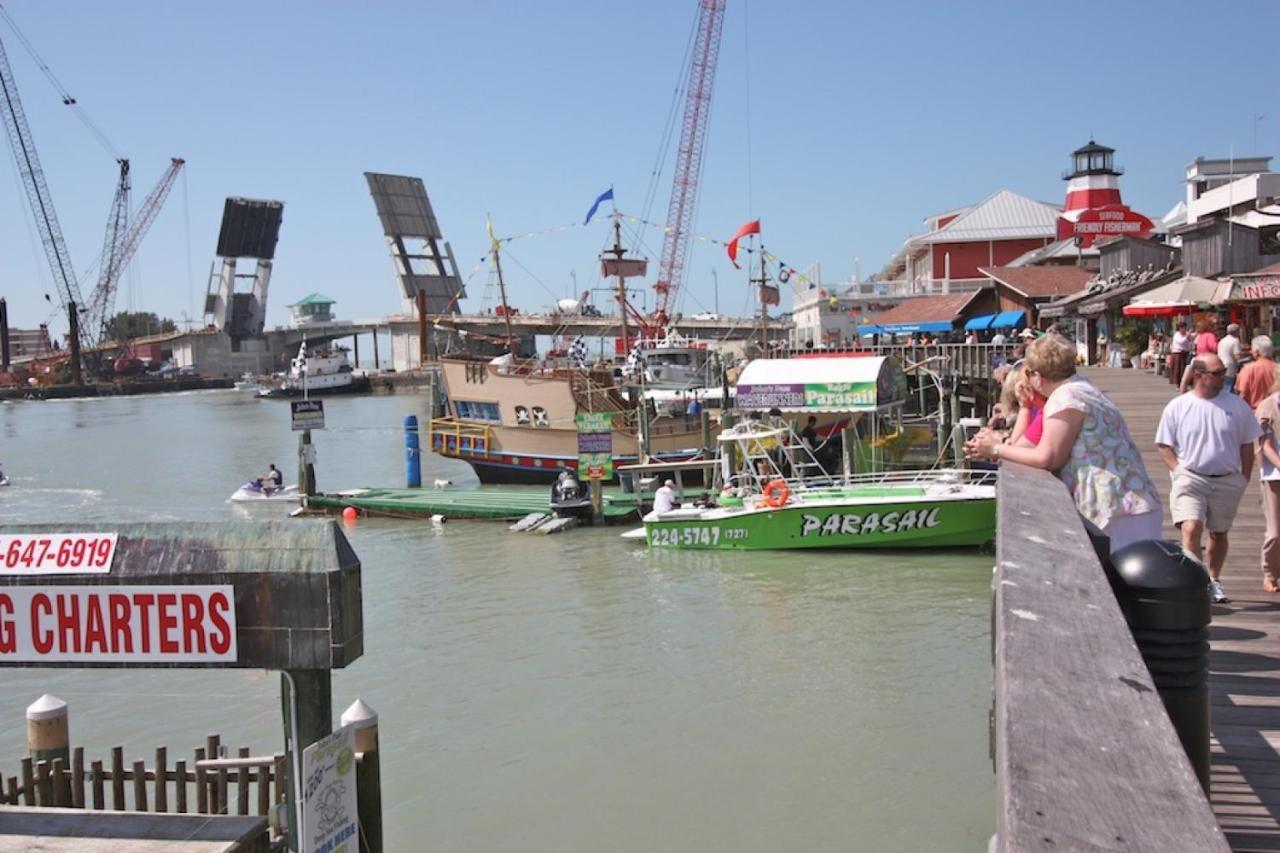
674 363
248 382
248 493
325 371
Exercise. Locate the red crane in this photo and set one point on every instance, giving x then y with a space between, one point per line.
693 134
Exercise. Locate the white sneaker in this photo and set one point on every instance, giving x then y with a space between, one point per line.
1216 593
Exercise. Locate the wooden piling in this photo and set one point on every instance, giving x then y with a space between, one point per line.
202 785
242 785
180 785
98 784
48 729
139 786
28 783
162 779
368 774
117 778
77 777
44 790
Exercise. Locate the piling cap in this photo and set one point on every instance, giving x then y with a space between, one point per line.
47 707
360 715
1160 587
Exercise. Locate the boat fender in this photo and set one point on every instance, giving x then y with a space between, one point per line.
776 493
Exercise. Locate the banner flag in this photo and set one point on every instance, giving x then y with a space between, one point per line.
607 195
752 227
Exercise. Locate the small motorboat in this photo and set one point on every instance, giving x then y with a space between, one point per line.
249 383
569 499
255 492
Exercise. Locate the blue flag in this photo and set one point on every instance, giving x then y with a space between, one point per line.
607 195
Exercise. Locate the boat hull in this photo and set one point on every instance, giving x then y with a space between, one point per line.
534 470
924 523
357 385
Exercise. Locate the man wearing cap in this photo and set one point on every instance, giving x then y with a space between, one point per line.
1230 354
664 500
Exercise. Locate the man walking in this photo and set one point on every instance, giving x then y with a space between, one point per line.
1256 378
1230 354
1183 342
1206 438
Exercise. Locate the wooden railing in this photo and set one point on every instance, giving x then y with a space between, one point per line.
968 361
253 783
461 437
1085 756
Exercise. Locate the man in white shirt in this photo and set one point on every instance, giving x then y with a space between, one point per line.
664 500
1230 354
998 339
1183 343
1206 438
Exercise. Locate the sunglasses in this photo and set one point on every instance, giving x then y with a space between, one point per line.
1220 372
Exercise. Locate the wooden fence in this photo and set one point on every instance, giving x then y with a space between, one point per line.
210 784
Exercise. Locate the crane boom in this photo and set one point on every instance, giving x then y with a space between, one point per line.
104 295
688 170
24 153
117 226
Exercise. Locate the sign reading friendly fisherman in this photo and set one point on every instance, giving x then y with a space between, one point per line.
179 595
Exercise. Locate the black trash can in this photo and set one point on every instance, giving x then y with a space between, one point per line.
1164 594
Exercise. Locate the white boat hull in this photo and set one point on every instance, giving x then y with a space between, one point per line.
289 494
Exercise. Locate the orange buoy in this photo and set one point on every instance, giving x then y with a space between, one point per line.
350 514
776 493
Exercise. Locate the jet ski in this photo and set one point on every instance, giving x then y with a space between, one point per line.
256 492
569 499
4 481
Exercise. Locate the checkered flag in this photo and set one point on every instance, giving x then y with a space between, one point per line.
579 351
634 362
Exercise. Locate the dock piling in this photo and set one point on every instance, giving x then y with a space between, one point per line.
368 774
49 733
412 453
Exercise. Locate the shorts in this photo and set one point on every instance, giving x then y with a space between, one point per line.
1211 500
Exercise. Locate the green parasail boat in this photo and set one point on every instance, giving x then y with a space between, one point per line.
763 508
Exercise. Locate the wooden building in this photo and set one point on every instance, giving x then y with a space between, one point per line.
1027 288
1122 254
940 315
1214 247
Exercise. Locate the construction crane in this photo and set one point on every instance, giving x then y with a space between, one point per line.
688 170
55 248
120 245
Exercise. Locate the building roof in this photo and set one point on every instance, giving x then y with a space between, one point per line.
315 299
1005 215
1273 269
1041 281
1053 251
926 309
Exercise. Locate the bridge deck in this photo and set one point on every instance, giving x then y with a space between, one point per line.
1245 658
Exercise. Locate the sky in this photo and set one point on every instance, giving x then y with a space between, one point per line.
840 125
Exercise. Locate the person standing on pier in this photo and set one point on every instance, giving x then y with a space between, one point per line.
1206 438
1230 354
1255 379
1268 450
1183 343
1086 441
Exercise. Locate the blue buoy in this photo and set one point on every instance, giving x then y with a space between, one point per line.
412 453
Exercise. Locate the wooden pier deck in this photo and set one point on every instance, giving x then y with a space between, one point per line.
1245 638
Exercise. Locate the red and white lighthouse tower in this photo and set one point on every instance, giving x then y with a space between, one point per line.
1094 209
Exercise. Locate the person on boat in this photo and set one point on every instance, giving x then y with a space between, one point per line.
809 435
664 499
1087 443
271 481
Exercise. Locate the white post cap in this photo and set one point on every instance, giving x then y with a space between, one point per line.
360 715
47 707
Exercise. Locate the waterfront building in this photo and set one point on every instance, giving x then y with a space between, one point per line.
1252 299
942 314
1094 209
829 315
29 343
312 308
1025 289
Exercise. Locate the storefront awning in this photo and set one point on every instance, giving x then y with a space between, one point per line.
977 324
1183 296
868 331
1009 319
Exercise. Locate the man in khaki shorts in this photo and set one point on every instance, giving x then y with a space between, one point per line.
1206 438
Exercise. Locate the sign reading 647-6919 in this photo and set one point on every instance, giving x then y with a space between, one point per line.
57 553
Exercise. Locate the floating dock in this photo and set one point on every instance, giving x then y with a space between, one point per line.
494 502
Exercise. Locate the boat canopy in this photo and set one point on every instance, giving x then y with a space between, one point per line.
837 384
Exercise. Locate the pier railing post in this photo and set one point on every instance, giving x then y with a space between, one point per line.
48 733
368 774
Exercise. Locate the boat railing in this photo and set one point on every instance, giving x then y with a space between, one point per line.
449 435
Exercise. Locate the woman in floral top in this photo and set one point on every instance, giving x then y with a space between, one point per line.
1087 443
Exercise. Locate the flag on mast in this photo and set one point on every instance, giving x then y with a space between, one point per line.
752 227
607 195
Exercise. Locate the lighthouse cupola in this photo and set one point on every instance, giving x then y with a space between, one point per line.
1092 159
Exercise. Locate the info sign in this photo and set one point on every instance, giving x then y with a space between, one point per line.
307 414
118 624
595 445
329 822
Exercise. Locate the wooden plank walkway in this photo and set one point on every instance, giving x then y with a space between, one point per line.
1245 636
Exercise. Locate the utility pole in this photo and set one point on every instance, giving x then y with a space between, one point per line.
715 290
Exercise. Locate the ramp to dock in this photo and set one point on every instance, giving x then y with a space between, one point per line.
492 502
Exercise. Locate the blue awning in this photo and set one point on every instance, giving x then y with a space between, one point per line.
911 328
977 324
868 331
1009 320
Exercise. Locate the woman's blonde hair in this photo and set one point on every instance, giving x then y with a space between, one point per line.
1009 391
1052 356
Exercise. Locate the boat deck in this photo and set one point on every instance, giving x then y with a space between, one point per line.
492 502
1244 663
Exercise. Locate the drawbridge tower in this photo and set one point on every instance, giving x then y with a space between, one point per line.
236 302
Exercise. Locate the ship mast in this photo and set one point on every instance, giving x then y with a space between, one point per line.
617 251
502 289
761 283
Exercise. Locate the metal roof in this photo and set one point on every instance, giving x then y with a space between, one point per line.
1005 215
314 299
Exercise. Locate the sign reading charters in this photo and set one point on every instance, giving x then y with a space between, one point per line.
118 624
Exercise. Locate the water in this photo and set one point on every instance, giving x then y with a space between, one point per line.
558 693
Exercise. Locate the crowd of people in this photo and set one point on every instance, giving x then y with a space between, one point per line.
1209 437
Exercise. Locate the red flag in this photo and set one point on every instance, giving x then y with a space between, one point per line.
752 227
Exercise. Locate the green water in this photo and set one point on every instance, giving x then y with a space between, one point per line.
562 693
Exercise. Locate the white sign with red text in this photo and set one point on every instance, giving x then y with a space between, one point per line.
57 553
117 624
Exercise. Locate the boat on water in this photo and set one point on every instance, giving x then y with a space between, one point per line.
675 363
254 492
249 383
775 493
325 371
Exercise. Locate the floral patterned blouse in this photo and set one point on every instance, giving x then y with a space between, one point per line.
1104 472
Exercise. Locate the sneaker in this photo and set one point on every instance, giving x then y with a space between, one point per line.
1216 593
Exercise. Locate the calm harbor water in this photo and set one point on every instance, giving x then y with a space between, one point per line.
568 693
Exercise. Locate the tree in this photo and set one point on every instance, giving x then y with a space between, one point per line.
128 325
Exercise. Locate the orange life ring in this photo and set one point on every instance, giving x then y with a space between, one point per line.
776 493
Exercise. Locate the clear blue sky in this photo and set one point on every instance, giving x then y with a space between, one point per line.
840 125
